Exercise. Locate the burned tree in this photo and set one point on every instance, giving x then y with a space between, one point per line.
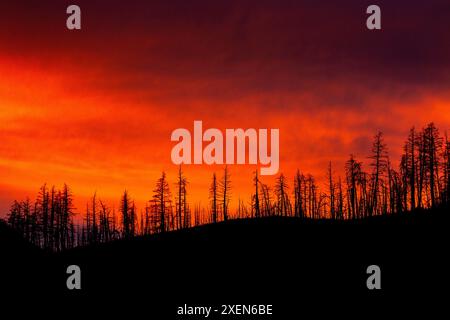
340 205
126 214
432 147
105 231
283 203
331 188
379 168
256 206
299 195
42 205
225 192
181 201
409 166
353 178
446 163
163 203
94 230
267 203
213 191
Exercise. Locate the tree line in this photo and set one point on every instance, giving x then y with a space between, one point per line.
421 181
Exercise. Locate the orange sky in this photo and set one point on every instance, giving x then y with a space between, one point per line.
95 108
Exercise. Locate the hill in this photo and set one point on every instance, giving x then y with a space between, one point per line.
267 260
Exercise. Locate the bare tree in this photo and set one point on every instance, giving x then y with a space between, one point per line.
94 218
213 190
225 192
331 188
256 197
432 148
379 168
181 202
447 171
340 206
128 216
163 202
410 165
105 223
353 175
42 204
283 203
299 184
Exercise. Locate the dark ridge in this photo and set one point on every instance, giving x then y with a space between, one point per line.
282 261
267 227
13 243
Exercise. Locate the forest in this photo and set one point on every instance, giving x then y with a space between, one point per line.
421 181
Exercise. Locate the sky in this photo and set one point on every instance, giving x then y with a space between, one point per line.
95 108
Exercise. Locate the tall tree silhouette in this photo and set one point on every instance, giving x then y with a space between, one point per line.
410 166
181 200
126 215
283 203
299 198
163 202
105 223
379 168
65 214
225 192
256 197
42 205
340 206
213 192
267 203
94 218
332 195
447 171
353 175
432 148
133 220
15 217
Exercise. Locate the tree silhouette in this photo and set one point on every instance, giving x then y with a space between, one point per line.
446 163
213 191
268 207
42 205
340 206
94 219
256 196
105 231
353 174
181 201
410 165
432 148
299 188
126 215
163 203
379 168
331 188
283 203
225 192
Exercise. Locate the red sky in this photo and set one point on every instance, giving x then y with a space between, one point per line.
95 108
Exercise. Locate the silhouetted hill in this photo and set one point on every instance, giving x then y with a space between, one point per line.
18 259
277 260
11 241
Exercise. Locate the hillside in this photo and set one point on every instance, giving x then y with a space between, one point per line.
261 260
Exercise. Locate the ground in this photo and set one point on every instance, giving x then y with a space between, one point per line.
288 262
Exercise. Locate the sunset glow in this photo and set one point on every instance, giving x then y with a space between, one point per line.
95 109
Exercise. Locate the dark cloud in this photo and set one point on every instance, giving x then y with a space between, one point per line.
261 45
